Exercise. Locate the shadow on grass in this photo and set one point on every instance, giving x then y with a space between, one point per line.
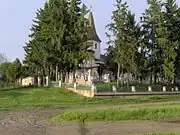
19 88
15 92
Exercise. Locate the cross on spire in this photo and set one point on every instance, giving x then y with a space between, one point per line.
90 7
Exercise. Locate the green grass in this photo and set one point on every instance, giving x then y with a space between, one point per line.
133 113
32 97
160 134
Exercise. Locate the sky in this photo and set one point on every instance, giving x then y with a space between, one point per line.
16 19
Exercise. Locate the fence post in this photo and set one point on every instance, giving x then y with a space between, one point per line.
39 81
172 89
60 83
93 89
149 88
114 89
47 81
176 89
133 89
75 86
164 88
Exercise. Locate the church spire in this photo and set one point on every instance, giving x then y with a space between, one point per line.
92 35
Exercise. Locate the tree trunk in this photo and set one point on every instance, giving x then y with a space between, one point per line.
56 73
84 73
74 76
150 78
128 79
122 73
44 80
63 76
118 74
155 78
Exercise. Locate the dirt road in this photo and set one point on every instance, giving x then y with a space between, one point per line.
33 122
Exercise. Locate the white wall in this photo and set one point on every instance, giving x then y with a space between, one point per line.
97 51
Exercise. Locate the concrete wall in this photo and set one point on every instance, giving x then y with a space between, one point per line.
28 81
86 93
84 82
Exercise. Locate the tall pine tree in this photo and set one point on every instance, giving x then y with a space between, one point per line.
149 48
125 40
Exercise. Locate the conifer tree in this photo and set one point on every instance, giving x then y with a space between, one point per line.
172 23
59 25
124 30
58 39
149 47
77 41
35 53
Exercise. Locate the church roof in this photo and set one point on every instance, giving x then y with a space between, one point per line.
92 34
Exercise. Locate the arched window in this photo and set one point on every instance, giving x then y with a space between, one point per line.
95 46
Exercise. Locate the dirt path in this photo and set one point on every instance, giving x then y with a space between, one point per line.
112 128
31 122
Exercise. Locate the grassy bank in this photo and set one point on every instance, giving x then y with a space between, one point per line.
133 113
32 97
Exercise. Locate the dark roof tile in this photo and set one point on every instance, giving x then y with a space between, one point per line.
92 35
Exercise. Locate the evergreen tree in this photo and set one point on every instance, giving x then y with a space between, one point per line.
35 51
159 39
125 42
109 61
58 38
151 53
77 43
172 22
59 24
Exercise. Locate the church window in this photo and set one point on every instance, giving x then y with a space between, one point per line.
95 46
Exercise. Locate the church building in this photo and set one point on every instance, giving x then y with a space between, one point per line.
92 70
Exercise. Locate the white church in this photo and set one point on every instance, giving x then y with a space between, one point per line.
92 71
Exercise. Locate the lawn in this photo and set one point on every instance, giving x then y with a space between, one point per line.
126 113
33 97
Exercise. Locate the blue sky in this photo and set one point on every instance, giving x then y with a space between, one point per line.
16 20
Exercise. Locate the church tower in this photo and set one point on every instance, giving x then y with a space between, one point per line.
93 38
